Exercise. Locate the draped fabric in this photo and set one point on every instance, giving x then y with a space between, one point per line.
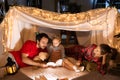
21 23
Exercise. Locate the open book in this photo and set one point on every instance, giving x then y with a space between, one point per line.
55 64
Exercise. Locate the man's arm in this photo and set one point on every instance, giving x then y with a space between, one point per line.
28 61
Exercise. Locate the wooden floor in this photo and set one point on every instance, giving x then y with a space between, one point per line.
29 73
60 72
98 76
18 76
51 73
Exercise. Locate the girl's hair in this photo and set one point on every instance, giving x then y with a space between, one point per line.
39 36
107 49
56 37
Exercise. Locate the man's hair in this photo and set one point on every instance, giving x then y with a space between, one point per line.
39 36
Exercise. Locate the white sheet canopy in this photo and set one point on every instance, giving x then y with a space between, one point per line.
20 23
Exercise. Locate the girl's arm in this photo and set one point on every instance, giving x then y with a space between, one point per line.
50 49
62 51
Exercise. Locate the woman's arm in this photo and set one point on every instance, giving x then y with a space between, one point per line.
104 59
102 66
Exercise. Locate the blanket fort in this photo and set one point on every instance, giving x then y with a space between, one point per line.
20 22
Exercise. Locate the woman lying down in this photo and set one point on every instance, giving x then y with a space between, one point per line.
102 55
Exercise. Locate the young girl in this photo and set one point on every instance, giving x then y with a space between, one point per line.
102 55
56 50
57 54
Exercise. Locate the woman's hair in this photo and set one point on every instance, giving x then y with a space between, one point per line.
107 49
39 36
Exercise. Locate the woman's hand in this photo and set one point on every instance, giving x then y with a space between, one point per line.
111 64
104 59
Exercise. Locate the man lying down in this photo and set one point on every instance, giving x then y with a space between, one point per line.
35 53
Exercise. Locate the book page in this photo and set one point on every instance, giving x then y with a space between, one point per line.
51 64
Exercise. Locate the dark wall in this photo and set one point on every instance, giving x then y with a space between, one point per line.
51 4
18 2
85 4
